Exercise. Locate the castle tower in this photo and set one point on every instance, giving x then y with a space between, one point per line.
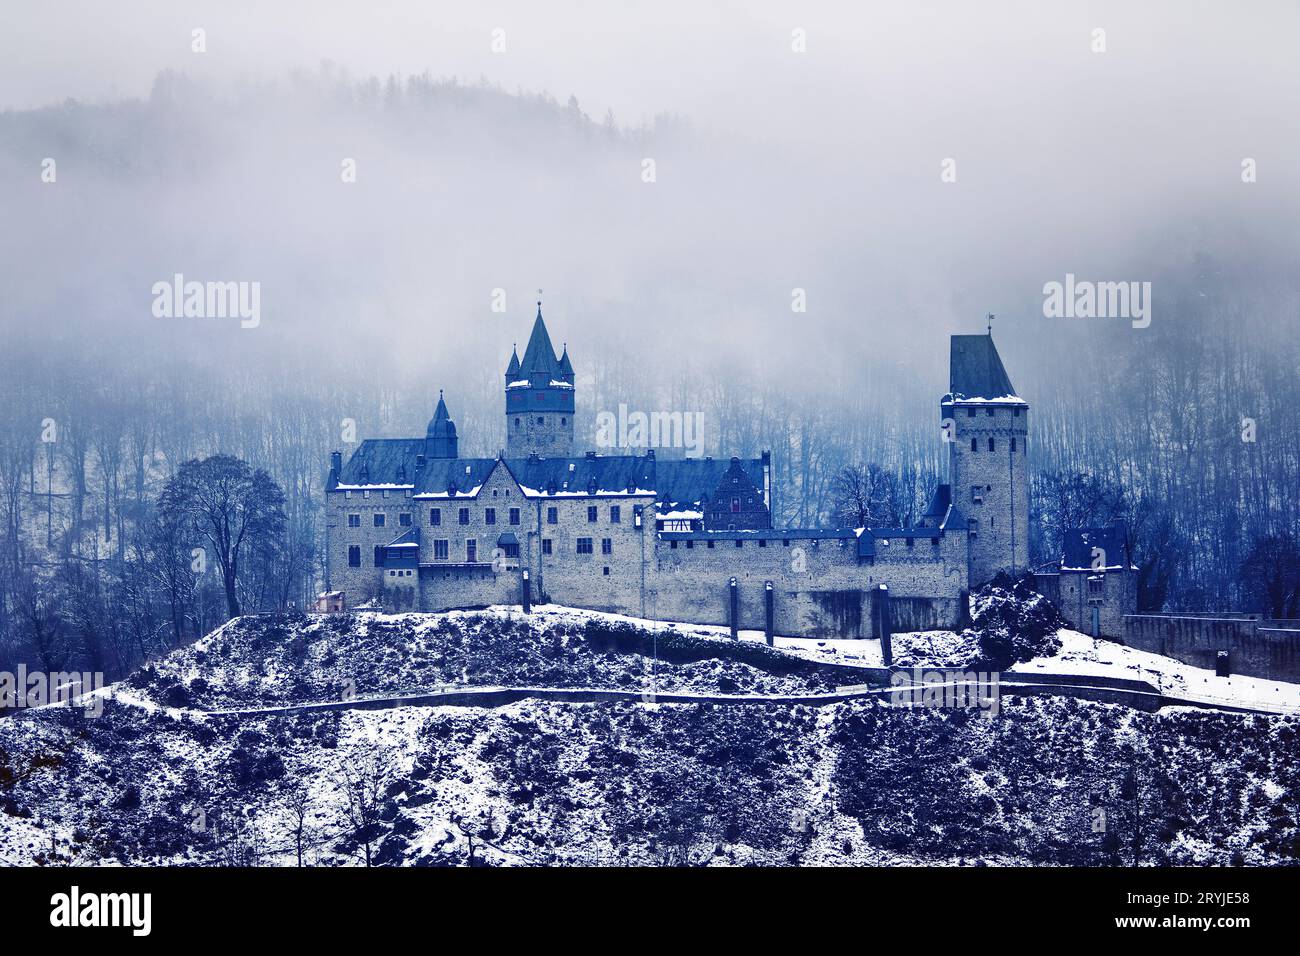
987 425
539 399
440 439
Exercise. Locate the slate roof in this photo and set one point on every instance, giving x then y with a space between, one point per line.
441 426
539 357
763 534
939 503
975 370
676 483
1079 542
410 538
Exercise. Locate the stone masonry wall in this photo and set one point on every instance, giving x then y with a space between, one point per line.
1000 541
820 588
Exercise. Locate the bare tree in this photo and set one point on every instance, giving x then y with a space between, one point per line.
229 505
363 777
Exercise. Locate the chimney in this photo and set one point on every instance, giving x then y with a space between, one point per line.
336 466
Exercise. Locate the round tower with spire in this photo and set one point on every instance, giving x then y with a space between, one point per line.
440 438
539 398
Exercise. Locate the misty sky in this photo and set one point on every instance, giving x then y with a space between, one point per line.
818 170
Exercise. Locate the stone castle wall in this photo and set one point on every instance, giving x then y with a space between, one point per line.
1000 520
820 589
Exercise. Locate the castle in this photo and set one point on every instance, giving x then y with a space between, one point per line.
411 525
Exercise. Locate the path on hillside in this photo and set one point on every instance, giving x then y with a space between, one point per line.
1136 694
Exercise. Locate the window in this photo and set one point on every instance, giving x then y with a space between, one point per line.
973 525
735 506
541 420
379 555
511 550
1013 444
615 514
546 546
379 519
710 544
514 516
552 515
463 516
990 444
471 550
435 517
739 543
762 542
989 412
584 546
354 521
354 556
672 545
1097 586
591 515
564 421
606 570
689 545
606 545
976 495
516 423
404 519
974 444
489 515
970 413
440 549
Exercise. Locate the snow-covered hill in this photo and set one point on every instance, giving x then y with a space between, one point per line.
155 780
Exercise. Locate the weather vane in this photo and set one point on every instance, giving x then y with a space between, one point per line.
990 323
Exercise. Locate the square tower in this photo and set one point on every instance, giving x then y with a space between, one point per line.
987 427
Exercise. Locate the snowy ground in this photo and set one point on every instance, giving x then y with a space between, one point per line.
1081 654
